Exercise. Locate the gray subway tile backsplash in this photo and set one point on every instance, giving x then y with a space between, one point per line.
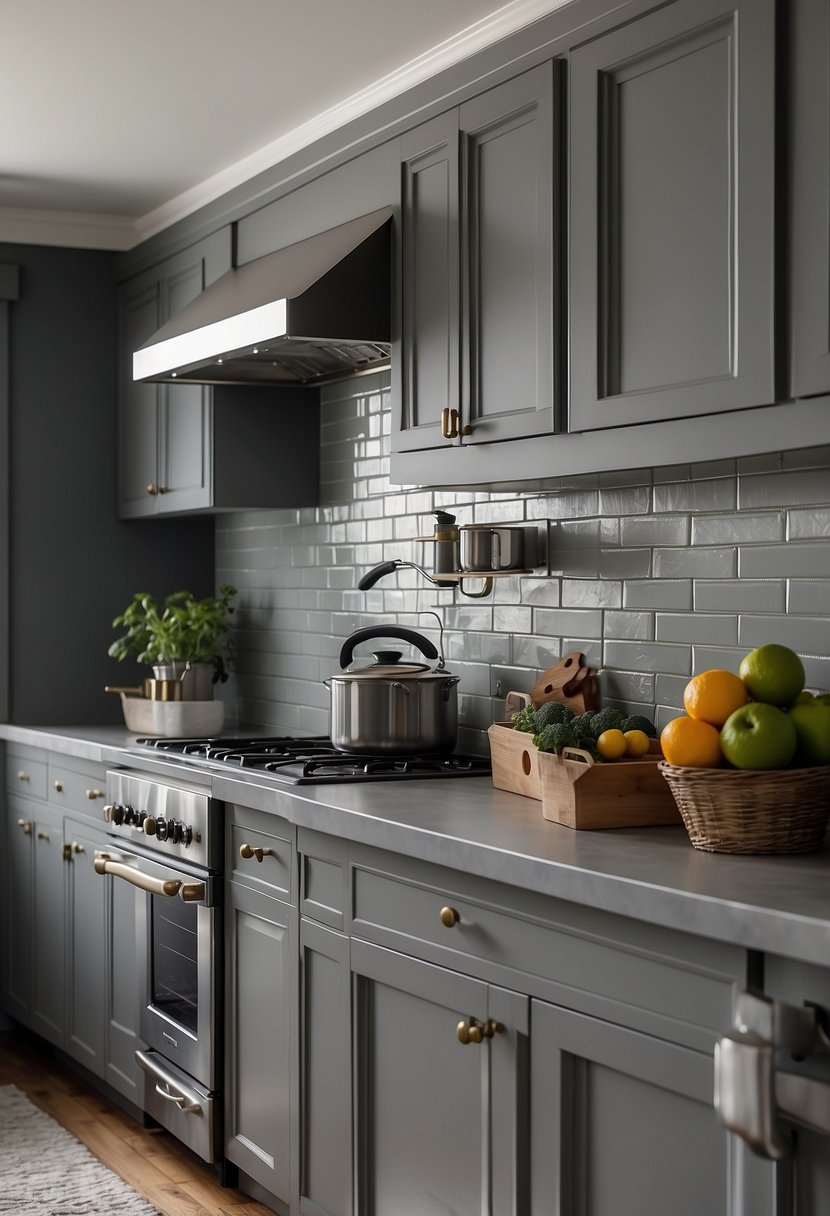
654 573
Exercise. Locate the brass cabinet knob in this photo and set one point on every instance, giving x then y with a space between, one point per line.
93 794
163 489
57 786
77 847
44 836
472 1031
449 917
152 488
25 826
247 851
23 776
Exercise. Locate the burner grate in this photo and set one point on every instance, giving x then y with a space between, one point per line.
314 759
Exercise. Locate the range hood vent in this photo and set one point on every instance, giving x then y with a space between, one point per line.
313 312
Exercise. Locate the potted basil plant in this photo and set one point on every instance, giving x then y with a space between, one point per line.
181 637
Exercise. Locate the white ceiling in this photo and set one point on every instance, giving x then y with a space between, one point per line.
118 117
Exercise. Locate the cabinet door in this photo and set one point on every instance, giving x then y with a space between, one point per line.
48 1016
185 465
430 274
261 963
672 125
810 203
123 994
426 1103
325 1073
140 316
87 968
624 1125
510 150
17 907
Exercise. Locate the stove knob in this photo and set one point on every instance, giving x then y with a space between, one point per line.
187 837
149 825
111 810
162 828
176 832
130 815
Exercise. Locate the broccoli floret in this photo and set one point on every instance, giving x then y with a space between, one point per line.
525 720
554 737
638 722
552 711
607 719
582 722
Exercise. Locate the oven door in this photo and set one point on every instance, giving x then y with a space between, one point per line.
179 934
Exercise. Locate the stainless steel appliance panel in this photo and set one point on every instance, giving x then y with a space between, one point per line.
188 1110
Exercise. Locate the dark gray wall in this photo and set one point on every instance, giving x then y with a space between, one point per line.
73 565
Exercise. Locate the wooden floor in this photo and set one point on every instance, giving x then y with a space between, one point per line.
150 1160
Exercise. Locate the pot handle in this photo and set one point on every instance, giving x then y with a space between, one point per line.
385 631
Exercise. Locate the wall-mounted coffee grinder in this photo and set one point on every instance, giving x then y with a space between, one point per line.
464 552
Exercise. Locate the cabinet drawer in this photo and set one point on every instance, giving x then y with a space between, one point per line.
260 852
78 785
643 976
26 772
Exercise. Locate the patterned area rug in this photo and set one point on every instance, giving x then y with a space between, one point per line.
45 1171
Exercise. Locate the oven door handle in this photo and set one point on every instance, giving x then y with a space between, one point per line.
187 1102
189 892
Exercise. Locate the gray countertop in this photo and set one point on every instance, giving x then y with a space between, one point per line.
776 904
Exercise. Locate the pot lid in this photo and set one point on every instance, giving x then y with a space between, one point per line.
388 666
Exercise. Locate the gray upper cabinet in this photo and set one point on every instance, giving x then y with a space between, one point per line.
190 447
809 134
479 271
672 122
164 430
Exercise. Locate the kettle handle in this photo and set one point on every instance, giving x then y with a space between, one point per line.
385 631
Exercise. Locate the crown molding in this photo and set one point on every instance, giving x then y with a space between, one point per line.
121 233
70 229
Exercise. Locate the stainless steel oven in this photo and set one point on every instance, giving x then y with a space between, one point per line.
167 843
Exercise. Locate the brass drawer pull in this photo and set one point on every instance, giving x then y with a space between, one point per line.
25 826
23 776
151 488
44 836
92 794
57 786
77 847
247 851
449 917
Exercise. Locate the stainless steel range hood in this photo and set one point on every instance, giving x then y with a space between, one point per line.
313 312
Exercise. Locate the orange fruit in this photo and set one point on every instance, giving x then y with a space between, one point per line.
611 744
691 742
713 695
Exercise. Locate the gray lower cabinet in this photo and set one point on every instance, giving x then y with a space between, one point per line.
187 447
18 834
86 957
260 992
479 269
47 1014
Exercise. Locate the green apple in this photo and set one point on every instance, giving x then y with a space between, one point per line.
803 696
772 673
811 720
758 736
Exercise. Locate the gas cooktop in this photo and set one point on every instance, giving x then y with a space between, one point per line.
314 760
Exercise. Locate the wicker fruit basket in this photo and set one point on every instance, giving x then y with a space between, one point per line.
747 811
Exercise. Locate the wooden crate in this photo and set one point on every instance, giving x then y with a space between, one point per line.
515 760
624 793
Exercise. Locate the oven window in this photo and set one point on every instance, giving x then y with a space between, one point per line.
174 960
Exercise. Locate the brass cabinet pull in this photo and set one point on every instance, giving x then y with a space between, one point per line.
66 852
57 786
44 836
93 794
23 776
449 917
472 1031
25 826
77 847
449 424
246 851
163 490
152 488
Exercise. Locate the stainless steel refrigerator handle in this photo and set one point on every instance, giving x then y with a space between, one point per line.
750 1093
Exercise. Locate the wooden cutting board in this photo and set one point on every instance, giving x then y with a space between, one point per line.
571 681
